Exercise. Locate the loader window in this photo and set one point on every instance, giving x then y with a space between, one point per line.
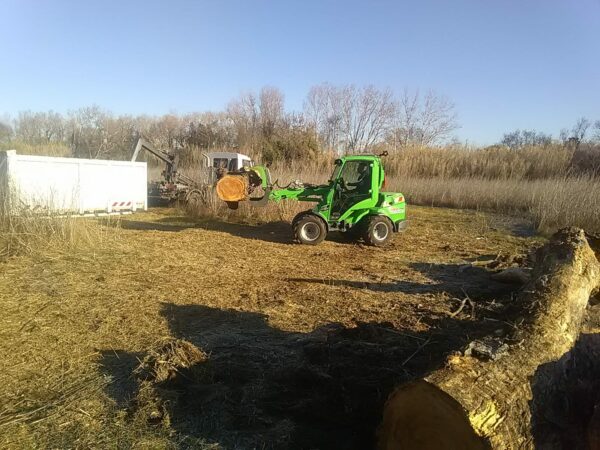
357 176
354 184
336 171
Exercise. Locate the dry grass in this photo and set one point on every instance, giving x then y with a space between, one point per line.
75 326
550 203
297 347
49 149
284 211
491 163
30 231
214 208
544 184
42 235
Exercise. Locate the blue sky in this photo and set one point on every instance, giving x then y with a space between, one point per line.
506 64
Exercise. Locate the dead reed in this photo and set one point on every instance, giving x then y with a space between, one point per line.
27 232
549 203
517 189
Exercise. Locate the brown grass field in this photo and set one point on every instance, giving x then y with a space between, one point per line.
209 329
301 344
286 346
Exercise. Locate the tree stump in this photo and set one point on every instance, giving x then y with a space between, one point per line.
473 404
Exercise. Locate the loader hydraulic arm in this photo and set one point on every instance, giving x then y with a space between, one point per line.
302 194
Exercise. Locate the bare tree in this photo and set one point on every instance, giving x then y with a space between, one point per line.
257 117
427 120
597 131
523 138
580 129
6 131
244 113
89 134
350 117
322 109
270 109
209 130
167 131
40 127
577 134
368 113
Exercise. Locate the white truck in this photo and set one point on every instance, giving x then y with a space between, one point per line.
49 185
233 162
176 186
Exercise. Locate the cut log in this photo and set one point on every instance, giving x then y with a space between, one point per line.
472 404
233 188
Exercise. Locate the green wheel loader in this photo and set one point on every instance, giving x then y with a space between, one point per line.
352 201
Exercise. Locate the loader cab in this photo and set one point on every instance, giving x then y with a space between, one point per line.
355 184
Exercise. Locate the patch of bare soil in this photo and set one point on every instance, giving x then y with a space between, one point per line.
220 335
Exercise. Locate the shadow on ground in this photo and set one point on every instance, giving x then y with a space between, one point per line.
458 280
152 226
278 232
119 366
566 398
261 387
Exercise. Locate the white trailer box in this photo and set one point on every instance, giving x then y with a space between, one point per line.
71 185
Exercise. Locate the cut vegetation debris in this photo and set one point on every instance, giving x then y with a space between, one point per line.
188 333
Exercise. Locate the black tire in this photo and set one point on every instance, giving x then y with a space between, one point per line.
378 230
309 229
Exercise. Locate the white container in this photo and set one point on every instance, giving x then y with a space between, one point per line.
70 185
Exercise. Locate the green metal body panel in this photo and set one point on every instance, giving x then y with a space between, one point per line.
338 207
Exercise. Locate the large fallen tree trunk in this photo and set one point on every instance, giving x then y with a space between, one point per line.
233 188
474 404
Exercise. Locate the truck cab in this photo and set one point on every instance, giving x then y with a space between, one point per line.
217 164
230 161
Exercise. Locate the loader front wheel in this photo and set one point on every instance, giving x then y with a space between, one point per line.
378 231
309 229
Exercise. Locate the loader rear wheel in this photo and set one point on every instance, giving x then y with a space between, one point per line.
378 231
309 229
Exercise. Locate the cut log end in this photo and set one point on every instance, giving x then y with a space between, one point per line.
232 188
471 403
421 416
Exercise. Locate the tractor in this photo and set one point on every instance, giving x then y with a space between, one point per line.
351 202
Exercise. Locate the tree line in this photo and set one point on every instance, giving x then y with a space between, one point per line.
582 132
338 119
333 118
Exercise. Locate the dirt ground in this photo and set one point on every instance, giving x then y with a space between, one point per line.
298 346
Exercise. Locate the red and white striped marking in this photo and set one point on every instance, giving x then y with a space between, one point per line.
120 204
